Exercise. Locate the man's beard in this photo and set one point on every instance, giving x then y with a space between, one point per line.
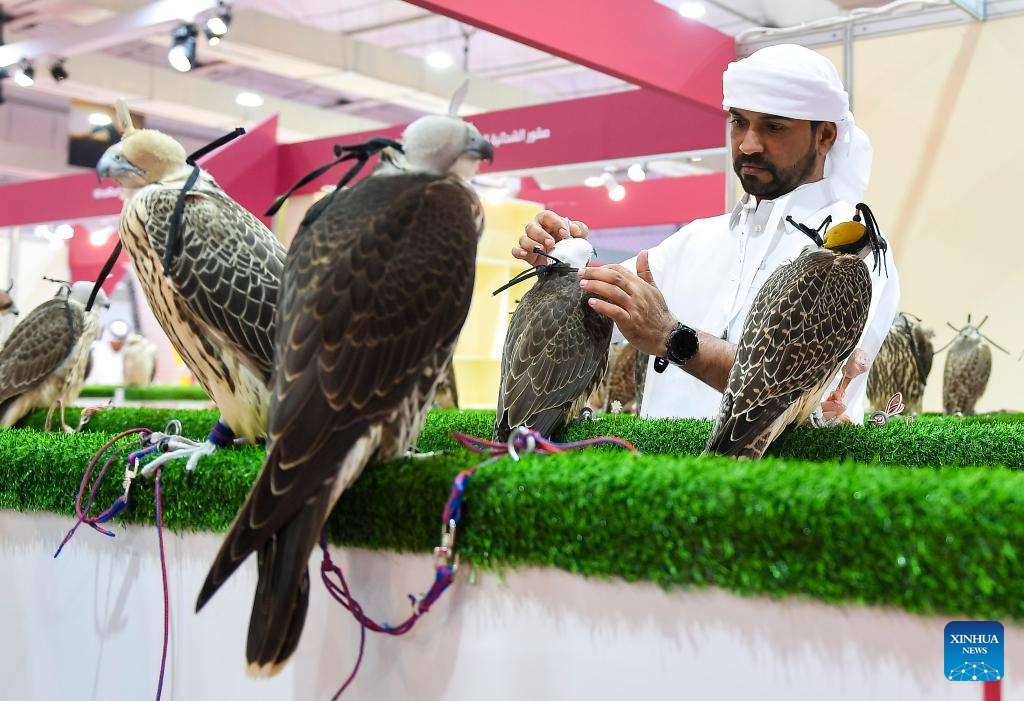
783 180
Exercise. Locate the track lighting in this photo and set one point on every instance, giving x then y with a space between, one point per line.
25 74
182 55
217 25
58 71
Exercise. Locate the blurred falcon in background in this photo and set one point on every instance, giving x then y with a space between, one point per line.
217 298
556 348
804 322
44 361
902 364
967 369
375 291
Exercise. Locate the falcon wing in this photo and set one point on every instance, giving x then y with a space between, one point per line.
37 346
228 270
804 322
550 359
374 295
923 351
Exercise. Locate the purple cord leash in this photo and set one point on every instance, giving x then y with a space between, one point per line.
446 560
150 442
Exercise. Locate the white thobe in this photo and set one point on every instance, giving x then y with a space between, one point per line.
710 271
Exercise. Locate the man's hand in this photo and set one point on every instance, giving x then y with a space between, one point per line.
545 229
633 302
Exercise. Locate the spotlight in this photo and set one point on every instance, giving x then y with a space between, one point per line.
616 192
58 71
182 55
439 59
217 25
99 119
692 10
594 181
25 75
249 99
636 172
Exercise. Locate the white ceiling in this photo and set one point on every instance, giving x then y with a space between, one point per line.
325 66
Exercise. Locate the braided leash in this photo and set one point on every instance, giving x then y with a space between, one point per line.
149 442
446 560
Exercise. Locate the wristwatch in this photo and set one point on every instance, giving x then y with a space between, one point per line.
680 346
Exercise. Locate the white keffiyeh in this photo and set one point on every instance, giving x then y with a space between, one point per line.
792 81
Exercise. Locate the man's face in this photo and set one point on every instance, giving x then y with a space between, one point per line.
774 155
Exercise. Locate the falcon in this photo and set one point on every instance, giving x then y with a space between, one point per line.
211 276
902 364
804 322
556 347
376 289
8 314
139 359
967 369
43 362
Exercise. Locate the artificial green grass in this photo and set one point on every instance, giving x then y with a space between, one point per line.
934 442
151 393
927 540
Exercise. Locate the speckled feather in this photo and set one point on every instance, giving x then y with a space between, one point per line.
373 297
555 355
45 358
804 322
965 375
217 304
902 365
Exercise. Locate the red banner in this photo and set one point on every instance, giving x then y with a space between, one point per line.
620 125
644 43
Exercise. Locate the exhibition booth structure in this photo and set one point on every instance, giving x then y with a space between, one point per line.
831 568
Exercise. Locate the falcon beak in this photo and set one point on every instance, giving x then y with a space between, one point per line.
481 148
115 166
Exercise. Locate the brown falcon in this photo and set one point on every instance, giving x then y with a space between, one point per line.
804 322
967 369
902 364
375 291
43 362
217 298
556 348
447 395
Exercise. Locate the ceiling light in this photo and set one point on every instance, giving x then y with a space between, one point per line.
692 10
64 231
217 25
695 159
616 193
25 76
495 196
58 71
249 99
99 237
182 55
594 181
636 172
99 119
440 59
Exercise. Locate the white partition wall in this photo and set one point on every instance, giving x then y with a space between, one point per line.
88 626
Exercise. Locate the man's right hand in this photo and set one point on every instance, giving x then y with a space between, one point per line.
545 229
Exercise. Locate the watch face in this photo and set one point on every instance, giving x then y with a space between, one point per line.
682 345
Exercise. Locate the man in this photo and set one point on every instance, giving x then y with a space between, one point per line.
105 367
800 159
